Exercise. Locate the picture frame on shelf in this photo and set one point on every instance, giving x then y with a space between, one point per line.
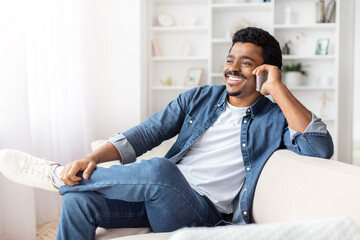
322 46
193 76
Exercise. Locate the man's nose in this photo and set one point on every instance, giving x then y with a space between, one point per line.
235 67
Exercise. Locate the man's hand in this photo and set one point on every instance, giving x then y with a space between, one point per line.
107 152
68 174
273 81
297 116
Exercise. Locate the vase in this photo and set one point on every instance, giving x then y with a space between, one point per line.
293 78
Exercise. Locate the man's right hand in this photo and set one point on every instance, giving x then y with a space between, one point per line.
68 174
107 152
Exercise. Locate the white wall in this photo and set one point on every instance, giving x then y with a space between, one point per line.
346 61
113 47
356 88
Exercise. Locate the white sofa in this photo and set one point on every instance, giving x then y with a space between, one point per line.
290 188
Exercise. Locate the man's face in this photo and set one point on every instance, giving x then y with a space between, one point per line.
241 61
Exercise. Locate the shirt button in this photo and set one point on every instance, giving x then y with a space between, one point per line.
245 189
245 121
191 121
218 105
248 169
244 145
245 212
248 110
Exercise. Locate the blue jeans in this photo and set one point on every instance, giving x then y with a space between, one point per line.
152 193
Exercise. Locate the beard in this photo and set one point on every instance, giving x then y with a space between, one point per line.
234 94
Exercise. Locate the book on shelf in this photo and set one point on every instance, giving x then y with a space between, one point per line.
156 48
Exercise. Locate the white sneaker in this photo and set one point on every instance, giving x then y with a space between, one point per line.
25 169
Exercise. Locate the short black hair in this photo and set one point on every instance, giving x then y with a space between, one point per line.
271 51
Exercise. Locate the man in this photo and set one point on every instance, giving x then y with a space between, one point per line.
225 136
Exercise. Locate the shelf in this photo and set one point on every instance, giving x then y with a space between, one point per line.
328 119
179 29
310 88
315 26
209 37
182 2
313 57
286 1
217 74
241 6
221 40
174 88
181 58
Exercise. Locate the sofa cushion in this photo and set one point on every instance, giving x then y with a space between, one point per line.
148 236
295 188
338 228
111 233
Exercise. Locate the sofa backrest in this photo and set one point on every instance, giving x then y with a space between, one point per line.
293 188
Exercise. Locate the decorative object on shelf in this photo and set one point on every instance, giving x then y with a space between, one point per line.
193 77
322 46
243 23
286 48
156 48
189 20
323 109
324 81
165 20
167 82
330 11
186 48
320 11
293 74
288 15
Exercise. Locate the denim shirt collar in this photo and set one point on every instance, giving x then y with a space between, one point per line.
255 108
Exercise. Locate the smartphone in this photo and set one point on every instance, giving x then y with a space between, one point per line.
260 80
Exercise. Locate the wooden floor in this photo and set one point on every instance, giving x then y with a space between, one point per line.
47 231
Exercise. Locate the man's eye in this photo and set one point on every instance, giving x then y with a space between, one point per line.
246 63
228 61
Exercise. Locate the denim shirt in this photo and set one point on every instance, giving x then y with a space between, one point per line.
263 131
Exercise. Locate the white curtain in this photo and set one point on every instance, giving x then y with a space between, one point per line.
44 101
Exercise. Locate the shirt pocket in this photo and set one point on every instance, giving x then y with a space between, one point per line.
188 127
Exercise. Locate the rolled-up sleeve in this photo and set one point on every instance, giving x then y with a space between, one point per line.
316 141
124 148
315 126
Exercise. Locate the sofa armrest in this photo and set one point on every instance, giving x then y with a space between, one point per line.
293 187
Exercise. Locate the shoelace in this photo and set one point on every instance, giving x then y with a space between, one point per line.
40 168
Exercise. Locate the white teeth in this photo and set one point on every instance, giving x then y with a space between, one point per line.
235 79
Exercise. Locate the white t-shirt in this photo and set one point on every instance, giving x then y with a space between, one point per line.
213 166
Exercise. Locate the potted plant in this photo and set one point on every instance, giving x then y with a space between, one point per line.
293 74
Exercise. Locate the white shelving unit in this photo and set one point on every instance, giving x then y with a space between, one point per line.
206 44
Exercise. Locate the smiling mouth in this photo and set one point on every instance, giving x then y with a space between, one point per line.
235 78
